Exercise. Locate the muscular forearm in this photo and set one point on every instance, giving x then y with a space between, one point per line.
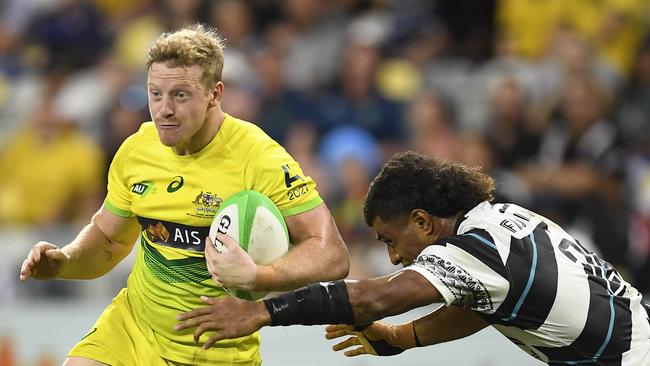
91 254
309 261
378 298
351 302
447 324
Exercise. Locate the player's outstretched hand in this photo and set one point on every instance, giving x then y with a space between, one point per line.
228 317
230 266
44 261
379 339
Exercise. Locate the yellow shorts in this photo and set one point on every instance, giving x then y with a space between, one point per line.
116 339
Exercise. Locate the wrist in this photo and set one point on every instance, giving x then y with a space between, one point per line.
65 260
404 335
263 317
263 278
321 303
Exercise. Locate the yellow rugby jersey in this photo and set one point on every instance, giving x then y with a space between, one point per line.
175 199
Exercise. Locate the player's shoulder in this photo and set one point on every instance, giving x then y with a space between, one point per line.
240 128
145 135
245 136
479 216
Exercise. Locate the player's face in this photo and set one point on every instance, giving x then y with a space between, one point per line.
404 238
179 103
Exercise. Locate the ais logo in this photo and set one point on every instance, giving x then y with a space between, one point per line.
142 188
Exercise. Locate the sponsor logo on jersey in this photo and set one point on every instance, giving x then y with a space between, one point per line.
142 188
175 184
206 204
157 232
174 235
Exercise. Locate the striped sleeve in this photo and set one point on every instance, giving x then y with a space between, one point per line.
466 271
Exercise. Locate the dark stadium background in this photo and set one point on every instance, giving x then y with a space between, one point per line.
552 98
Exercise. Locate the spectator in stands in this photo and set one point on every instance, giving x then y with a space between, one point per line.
50 173
577 174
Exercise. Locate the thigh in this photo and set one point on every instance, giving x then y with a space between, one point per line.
116 340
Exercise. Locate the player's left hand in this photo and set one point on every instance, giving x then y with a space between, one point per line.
232 267
229 317
379 339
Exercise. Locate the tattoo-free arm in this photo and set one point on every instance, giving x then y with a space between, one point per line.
447 324
382 339
319 253
360 302
377 298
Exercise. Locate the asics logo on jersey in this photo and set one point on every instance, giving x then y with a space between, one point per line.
176 184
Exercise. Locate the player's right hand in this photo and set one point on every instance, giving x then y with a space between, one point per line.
379 339
230 266
44 261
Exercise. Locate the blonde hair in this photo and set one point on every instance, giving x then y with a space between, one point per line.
192 45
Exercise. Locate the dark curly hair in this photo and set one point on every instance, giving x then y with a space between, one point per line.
411 180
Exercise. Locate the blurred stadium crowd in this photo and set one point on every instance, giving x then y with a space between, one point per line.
552 98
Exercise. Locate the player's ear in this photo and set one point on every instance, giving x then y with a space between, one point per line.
423 220
216 94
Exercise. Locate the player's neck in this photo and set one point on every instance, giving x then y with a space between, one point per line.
204 136
449 225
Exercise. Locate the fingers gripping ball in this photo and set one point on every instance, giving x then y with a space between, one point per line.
256 223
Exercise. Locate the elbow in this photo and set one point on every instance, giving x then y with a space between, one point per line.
339 262
345 269
339 255
342 270
344 266
335 268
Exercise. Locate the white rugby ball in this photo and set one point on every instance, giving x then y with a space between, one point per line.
253 220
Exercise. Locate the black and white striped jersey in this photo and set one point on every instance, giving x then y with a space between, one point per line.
539 287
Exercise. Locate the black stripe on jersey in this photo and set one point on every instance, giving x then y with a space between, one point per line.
533 280
174 235
607 333
480 244
594 266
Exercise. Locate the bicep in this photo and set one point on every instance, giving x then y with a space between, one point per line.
319 245
393 294
315 223
117 229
